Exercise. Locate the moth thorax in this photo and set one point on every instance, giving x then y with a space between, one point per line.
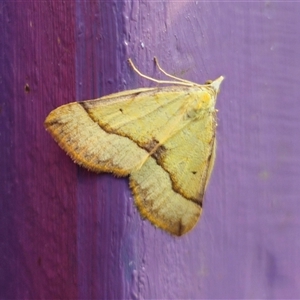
202 102
207 100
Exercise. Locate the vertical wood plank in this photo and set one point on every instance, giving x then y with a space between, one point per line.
38 203
102 199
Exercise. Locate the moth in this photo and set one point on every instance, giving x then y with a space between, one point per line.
163 138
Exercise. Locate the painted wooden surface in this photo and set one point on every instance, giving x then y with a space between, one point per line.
67 233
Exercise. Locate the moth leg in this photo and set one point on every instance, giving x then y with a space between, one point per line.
180 82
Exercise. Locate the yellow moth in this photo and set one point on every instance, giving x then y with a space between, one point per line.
163 138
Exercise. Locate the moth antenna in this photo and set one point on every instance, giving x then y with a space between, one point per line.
167 74
181 81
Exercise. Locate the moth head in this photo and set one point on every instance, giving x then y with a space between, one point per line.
209 96
203 100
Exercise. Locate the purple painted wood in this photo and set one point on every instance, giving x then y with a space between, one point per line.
38 199
67 233
38 194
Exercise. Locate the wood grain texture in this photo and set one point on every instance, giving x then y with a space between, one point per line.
71 234
38 218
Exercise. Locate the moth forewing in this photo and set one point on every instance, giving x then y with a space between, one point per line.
162 137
